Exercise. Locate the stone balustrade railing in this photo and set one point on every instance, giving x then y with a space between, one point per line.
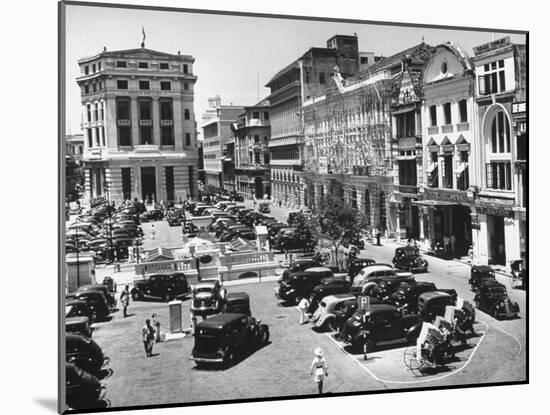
159 267
249 258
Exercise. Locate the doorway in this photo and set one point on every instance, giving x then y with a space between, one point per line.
258 187
495 235
148 183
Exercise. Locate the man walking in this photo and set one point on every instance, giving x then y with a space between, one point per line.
125 300
148 336
303 306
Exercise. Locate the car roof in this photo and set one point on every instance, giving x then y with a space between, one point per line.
218 321
337 297
491 282
379 308
483 268
318 269
206 283
237 296
434 294
377 267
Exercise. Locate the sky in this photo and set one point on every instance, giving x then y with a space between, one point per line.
232 53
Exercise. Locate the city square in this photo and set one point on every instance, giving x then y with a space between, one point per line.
195 247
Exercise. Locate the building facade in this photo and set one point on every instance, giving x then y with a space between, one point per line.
449 135
252 131
218 144
139 125
348 137
304 78
74 174
500 210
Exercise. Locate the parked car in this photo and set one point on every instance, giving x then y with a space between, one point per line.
324 317
79 308
355 265
409 259
165 287
376 273
84 352
405 298
152 215
480 273
237 303
264 207
223 337
82 389
78 325
111 299
96 302
293 218
493 299
386 287
299 265
208 298
433 303
329 286
382 324
301 284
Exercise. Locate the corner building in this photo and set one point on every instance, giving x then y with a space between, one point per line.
139 125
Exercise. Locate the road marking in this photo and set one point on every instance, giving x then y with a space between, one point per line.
357 361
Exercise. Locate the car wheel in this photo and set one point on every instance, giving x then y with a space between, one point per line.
264 336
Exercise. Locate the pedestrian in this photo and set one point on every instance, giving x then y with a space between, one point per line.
156 324
280 201
148 336
130 254
378 234
446 243
153 231
453 243
319 368
303 306
125 300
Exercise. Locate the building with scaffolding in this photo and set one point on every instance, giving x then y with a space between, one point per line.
349 137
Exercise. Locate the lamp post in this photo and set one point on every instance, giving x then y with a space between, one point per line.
106 188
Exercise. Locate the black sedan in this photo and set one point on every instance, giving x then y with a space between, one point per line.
409 259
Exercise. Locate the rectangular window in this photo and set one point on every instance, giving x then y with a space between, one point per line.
433 115
145 135
185 69
144 109
126 173
93 88
447 113
256 115
144 85
166 109
256 138
191 178
143 65
96 131
121 64
322 78
89 135
464 156
164 65
187 139
502 81
96 111
307 78
169 174
103 136
463 111
166 136
433 156
499 175
522 147
124 136
86 89
93 68
122 84
99 66
123 109
186 114
86 70
185 86
500 120
165 85
266 115
89 112
101 115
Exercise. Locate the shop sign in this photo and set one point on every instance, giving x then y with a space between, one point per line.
496 44
450 196
519 107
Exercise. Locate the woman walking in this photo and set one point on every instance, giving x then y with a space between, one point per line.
319 368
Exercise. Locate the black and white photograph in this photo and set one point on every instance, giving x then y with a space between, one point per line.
270 207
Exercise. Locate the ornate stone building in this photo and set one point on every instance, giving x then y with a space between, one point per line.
139 125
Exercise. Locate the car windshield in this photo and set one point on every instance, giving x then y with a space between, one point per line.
204 290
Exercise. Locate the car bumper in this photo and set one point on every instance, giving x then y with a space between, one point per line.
208 359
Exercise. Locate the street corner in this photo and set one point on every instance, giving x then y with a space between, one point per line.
397 365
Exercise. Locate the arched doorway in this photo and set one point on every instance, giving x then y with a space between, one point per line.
258 187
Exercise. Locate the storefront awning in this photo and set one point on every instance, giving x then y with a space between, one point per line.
433 203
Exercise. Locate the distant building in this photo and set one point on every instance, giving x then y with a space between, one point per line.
218 143
501 202
302 79
252 132
139 125
74 174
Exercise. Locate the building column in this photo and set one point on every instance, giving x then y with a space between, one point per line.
440 167
480 240
511 241
137 184
155 119
134 122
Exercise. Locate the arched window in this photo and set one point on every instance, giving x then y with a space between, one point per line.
500 133
499 164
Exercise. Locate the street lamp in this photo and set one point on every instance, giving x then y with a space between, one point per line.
106 188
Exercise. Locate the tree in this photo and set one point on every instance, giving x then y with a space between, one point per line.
305 232
338 223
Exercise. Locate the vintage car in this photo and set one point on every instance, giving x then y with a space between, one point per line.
355 265
82 389
373 274
287 239
434 303
293 218
79 308
223 337
111 299
493 299
329 286
299 265
208 298
78 325
84 352
381 324
405 297
301 284
165 287
110 283
409 259
152 215
324 317
386 287
480 273
96 302
237 303
263 207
